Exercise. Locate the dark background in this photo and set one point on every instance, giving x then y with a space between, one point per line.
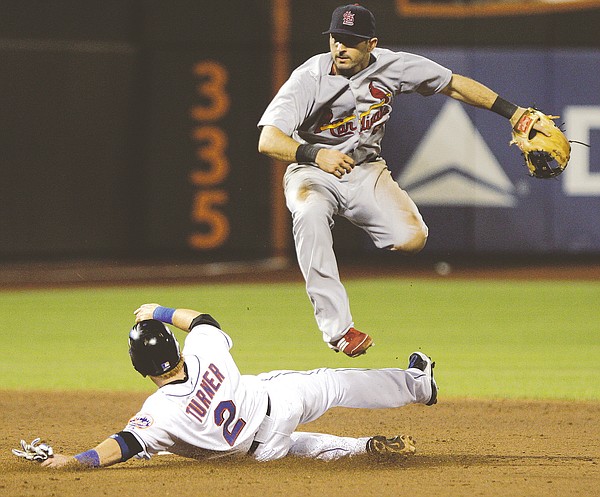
97 130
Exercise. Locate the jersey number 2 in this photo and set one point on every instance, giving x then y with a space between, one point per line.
229 433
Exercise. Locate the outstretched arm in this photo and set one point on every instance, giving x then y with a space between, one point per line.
106 453
182 318
276 144
472 92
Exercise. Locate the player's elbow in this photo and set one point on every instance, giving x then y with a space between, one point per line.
263 147
274 142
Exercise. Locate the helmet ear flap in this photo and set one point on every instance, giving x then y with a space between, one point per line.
153 348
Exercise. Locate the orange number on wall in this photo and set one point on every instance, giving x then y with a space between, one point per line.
212 89
205 211
212 151
212 168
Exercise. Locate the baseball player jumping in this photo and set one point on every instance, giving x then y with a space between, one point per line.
205 408
328 121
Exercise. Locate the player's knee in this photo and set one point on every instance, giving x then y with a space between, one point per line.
308 205
311 217
414 242
302 200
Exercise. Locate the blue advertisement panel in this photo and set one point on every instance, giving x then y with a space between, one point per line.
470 185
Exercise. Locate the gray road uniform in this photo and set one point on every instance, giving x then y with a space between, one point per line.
349 114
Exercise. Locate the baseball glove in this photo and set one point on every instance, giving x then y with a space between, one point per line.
35 451
546 149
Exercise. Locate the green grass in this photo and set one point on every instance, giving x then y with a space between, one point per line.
491 339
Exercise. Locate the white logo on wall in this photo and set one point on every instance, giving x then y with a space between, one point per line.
454 166
579 179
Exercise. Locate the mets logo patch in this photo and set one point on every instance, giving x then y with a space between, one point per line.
141 421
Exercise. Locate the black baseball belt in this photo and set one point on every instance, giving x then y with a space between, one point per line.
256 443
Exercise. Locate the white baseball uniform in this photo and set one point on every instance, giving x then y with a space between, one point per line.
217 411
348 114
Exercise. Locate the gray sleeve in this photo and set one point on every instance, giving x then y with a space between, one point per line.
423 75
291 106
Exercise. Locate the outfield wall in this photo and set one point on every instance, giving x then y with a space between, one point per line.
128 127
472 188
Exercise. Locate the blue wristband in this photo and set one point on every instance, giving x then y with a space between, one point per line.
164 314
89 458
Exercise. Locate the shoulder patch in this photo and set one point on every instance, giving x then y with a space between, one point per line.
141 421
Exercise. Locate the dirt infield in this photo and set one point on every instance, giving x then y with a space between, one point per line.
464 447
503 448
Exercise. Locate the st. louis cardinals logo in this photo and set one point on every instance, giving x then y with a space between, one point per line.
365 121
385 98
348 18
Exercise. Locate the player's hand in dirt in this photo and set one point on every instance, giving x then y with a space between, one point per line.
59 461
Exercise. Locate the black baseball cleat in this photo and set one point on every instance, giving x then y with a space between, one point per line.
402 445
418 360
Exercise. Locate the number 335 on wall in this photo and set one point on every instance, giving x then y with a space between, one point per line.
212 164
